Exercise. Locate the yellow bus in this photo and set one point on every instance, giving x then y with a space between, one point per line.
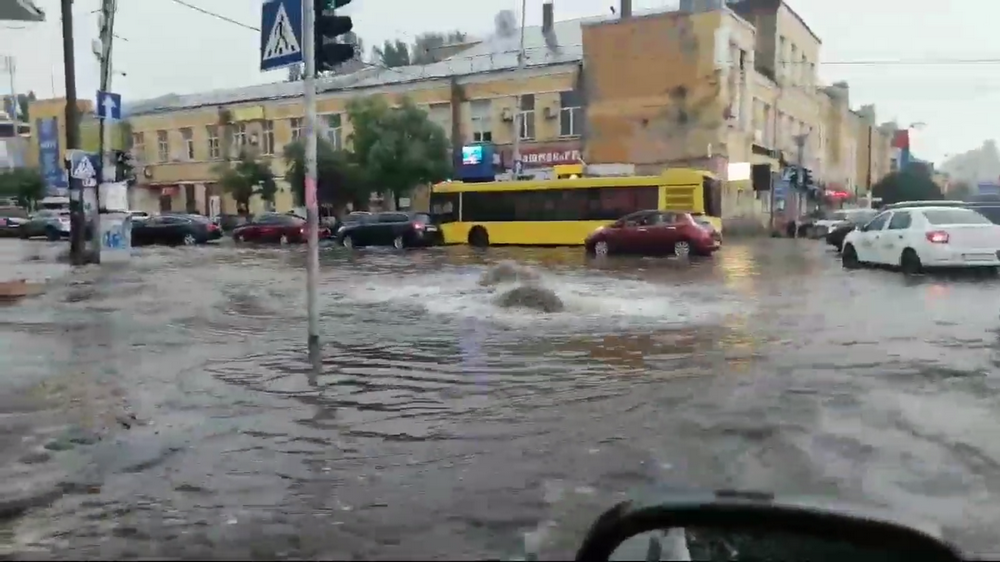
562 212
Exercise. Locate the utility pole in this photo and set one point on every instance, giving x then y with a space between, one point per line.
77 220
517 168
312 173
108 165
800 179
14 114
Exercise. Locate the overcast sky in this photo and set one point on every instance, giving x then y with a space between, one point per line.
168 47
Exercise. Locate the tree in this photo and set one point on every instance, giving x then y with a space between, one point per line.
392 54
397 148
426 45
24 184
911 184
245 178
960 190
23 105
341 180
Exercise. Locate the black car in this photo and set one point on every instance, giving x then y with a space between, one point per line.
175 229
400 230
851 219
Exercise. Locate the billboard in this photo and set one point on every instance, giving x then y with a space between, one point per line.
48 155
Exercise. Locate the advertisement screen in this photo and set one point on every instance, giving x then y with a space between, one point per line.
472 155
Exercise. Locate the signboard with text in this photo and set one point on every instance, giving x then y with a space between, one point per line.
48 155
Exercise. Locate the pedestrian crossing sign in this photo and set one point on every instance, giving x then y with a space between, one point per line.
82 167
280 34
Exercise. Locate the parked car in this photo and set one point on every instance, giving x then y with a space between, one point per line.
274 227
175 229
50 223
849 220
11 219
354 217
654 233
138 216
397 229
917 238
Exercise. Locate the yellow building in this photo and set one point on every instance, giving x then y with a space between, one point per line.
89 128
703 86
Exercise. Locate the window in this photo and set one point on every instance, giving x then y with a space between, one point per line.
214 152
482 120
444 207
334 130
393 217
992 213
240 136
440 115
296 124
557 204
267 142
139 147
526 117
878 222
162 146
955 216
570 114
188 136
711 197
900 221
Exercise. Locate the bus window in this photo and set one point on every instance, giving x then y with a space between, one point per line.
444 207
542 205
712 197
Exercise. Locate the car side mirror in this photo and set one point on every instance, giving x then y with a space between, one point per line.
729 525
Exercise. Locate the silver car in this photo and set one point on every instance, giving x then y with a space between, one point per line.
50 223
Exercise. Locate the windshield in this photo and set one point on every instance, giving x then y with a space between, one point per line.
955 216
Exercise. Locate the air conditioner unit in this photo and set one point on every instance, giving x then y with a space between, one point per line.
551 112
507 114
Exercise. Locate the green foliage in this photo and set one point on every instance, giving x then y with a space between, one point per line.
24 184
341 180
911 184
423 51
245 178
397 148
22 108
392 54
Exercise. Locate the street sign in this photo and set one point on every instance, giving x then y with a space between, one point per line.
280 34
781 189
109 105
82 165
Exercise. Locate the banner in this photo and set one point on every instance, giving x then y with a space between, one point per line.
48 156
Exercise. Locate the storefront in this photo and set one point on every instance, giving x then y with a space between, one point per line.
538 159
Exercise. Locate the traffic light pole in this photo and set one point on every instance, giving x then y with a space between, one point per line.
312 208
76 241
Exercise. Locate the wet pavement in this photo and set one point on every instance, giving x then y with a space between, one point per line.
168 408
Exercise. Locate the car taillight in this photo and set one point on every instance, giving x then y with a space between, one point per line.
418 225
302 230
938 237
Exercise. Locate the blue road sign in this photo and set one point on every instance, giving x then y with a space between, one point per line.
280 34
109 105
781 188
83 165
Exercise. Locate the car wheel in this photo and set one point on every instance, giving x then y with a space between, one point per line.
682 249
849 257
909 262
398 243
601 248
52 234
348 242
283 240
190 240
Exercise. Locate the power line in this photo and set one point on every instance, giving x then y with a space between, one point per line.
216 15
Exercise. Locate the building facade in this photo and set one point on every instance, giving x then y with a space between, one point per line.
711 85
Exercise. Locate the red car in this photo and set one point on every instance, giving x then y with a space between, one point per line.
272 227
651 233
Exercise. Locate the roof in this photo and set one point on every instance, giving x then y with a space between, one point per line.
494 54
744 7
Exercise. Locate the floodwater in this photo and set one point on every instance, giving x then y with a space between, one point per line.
169 409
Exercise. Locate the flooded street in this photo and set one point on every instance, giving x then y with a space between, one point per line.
169 409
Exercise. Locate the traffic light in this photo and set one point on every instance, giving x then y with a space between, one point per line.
808 179
329 27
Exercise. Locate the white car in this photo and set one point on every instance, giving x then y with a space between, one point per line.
916 238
